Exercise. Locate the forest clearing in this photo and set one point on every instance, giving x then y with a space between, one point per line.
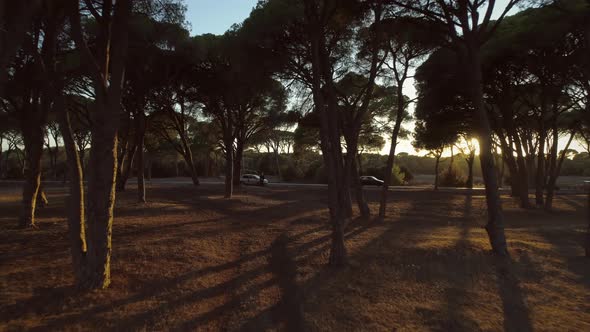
189 259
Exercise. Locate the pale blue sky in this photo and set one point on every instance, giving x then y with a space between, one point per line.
216 16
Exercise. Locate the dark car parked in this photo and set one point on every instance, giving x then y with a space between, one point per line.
371 181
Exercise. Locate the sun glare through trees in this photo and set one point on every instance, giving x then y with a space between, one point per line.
295 165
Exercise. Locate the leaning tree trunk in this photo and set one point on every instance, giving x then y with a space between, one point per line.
391 156
33 139
75 200
495 225
189 160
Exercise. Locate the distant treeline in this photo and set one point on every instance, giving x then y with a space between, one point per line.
306 166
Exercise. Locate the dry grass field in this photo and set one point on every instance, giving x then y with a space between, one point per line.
190 260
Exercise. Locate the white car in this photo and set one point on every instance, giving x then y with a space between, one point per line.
251 179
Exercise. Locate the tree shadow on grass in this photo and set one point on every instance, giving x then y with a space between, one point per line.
458 267
167 292
169 295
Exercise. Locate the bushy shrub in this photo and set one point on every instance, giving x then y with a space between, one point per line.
451 177
320 175
290 173
408 176
397 176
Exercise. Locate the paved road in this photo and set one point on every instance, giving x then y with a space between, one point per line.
14 184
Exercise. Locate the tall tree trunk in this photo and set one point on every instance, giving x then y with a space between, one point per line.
495 225
237 167
149 166
122 165
107 68
101 191
229 170
278 163
189 160
326 105
470 160
1 157
33 140
540 177
523 176
75 201
551 172
555 170
588 230
359 193
391 157
436 164
140 135
513 169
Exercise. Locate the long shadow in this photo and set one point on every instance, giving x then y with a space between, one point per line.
296 294
451 317
569 244
516 312
289 310
162 290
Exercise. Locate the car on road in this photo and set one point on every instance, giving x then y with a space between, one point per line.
370 181
251 179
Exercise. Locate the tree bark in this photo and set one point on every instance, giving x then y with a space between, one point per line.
359 192
588 230
1 159
237 167
229 170
278 163
523 176
495 225
33 140
540 177
75 201
470 160
107 69
436 164
329 133
140 135
190 163
391 157
555 170
125 164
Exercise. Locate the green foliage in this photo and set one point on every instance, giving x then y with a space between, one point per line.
451 177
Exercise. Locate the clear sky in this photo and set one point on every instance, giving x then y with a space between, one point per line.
216 16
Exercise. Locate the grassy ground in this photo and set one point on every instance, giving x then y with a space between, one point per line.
191 260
